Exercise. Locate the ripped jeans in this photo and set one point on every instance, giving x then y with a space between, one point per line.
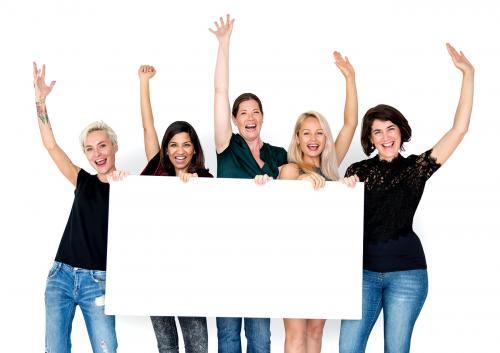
68 287
194 333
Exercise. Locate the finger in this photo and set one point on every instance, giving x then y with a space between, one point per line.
221 21
52 85
43 72
35 70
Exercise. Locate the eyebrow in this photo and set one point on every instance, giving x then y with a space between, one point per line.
98 143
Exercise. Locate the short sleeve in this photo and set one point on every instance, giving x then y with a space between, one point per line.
426 165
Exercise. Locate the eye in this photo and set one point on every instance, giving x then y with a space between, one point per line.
173 145
88 149
320 133
187 144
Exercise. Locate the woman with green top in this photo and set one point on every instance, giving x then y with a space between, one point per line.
242 155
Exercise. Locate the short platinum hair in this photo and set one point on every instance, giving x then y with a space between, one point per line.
98 126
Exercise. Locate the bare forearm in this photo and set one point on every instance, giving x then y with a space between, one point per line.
222 113
151 144
346 134
351 104
464 107
44 124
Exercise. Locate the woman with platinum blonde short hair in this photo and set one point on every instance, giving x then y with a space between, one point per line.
78 275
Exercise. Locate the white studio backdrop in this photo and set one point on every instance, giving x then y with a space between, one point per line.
283 53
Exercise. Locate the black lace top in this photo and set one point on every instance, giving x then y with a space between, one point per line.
392 193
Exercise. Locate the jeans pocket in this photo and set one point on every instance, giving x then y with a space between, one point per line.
98 276
55 267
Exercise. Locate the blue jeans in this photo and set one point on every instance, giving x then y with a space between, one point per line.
68 287
257 332
401 295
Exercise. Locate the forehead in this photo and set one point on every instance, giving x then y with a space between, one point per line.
96 136
248 105
180 137
310 123
381 125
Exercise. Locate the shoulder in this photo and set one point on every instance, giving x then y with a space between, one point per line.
359 167
204 173
235 141
289 171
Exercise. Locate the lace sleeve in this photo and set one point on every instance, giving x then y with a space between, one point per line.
426 165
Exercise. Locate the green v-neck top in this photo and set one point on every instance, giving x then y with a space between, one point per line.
236 161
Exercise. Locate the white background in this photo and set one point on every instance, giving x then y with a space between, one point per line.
282 52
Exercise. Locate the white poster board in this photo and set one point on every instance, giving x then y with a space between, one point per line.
228 247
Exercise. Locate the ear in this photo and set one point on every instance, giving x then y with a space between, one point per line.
297 139
116 148
233 118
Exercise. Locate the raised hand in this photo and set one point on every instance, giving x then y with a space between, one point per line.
459 60
41 88
146 72
344 65
223 29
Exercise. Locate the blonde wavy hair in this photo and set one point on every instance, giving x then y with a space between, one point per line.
328 161
98 126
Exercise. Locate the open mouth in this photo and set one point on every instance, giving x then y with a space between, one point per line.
388 145
100 162
251 126
180 158
313 147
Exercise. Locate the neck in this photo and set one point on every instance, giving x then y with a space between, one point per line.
104 177
179 171
254 145
313 161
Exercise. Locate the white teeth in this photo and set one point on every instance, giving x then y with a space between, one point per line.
180 158
251 126
387 144
100 161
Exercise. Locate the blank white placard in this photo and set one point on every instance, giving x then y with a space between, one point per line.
228 247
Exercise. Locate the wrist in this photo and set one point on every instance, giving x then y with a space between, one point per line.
39 100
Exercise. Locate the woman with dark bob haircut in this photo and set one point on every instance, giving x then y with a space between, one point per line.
394 266
180 154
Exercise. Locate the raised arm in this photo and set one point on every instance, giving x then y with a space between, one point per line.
222 110
151 144
447 144
69 170
344 138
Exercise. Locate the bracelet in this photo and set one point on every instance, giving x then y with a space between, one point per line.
39 101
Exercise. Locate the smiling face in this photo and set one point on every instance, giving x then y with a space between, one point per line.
180 151
386 137
248 120
311 139
100 152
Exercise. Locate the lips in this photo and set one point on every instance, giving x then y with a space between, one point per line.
313 146
251 126
100 162
180 158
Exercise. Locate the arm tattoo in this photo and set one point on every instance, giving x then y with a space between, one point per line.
41 112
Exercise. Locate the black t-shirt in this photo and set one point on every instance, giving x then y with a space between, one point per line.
236 161
392 193
84 242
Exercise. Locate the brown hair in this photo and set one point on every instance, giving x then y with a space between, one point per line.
383 112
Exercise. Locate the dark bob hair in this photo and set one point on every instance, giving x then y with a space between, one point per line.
383 112
245 97
198 161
